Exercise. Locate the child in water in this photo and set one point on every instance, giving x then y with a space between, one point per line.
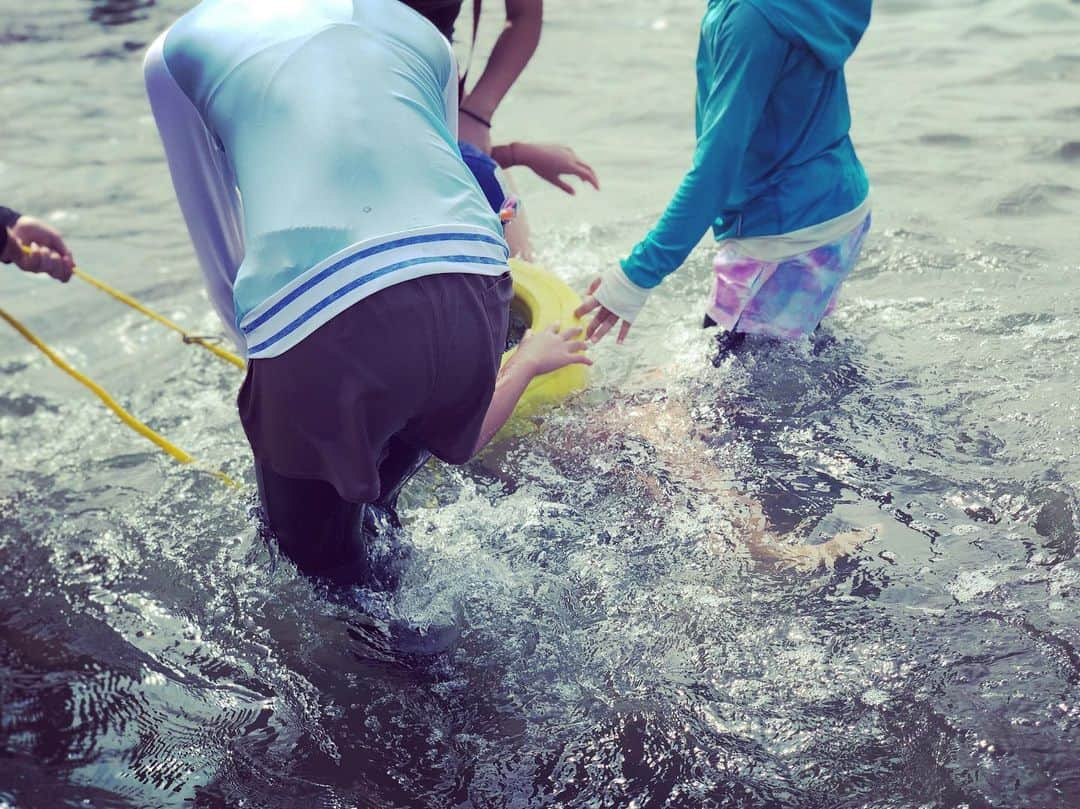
348 250
774 173
663 467
549 161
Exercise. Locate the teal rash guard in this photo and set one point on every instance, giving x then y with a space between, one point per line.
773 153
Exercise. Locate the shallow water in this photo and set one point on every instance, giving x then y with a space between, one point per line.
620 645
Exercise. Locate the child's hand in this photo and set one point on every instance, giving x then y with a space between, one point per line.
549 350
603 320
549 161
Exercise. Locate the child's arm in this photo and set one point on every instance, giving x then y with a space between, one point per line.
749 57
549 161
539 353
205 188
512 51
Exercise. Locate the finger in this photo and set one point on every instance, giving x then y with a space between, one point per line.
605 327
593 286
591 327
61 268
577 347
604 316
570 334
581 359
47 237
562 185
624 330
587 305
32 261
52 264
585 172
595 323
58 245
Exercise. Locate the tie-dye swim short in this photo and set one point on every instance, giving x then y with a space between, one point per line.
786 298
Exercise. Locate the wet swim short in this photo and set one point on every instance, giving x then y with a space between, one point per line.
415 362
785 298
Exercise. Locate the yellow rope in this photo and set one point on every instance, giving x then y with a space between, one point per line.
124 298
111 403
228 356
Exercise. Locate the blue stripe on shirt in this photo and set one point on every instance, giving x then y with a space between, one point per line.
367 253
366 279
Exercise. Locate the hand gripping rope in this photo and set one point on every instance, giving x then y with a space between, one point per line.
162 443
542 297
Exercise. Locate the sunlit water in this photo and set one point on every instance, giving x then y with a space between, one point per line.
620 642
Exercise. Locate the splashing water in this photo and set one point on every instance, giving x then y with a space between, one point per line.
622 624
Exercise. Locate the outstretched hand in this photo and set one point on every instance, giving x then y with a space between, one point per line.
551 162
549 350
604 320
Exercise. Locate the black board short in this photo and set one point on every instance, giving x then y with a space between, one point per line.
414 363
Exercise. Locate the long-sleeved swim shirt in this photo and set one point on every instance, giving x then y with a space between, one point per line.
773 154
312 147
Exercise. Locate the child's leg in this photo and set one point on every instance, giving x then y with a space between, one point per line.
402 461
667 428
329 537
726 341
318 530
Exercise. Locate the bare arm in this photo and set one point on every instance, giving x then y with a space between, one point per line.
514 377
513 50
538 354
550 161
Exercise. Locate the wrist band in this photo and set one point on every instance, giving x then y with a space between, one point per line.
476 117
8 218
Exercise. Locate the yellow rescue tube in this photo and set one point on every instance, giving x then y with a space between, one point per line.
543 299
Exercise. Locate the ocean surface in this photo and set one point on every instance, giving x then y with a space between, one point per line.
621 640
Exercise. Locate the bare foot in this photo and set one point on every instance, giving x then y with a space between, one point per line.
808 558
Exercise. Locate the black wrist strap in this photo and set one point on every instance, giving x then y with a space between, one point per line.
476 117
8 218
